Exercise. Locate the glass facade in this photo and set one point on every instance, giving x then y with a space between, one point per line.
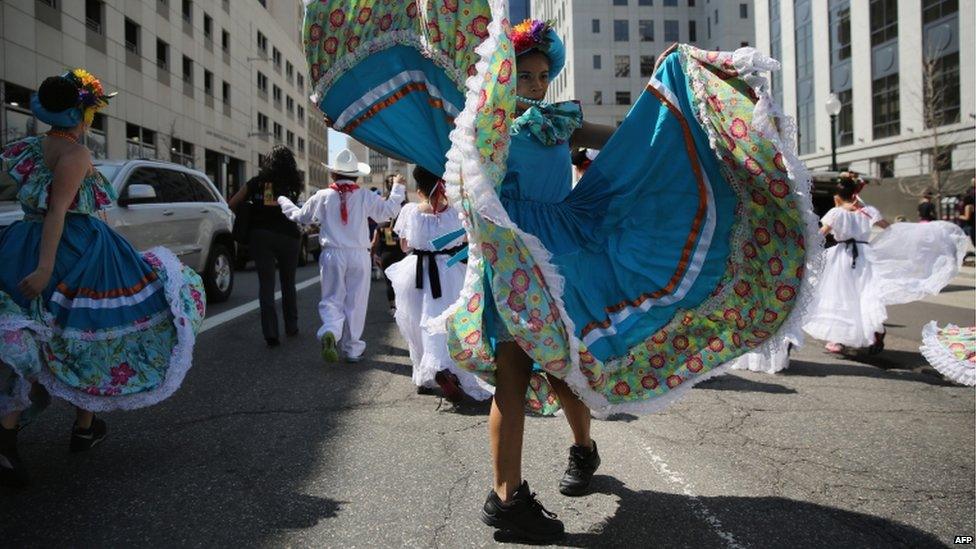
805 107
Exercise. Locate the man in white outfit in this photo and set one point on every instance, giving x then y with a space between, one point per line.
344 264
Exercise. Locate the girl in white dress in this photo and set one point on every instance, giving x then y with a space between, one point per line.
425 287
848 309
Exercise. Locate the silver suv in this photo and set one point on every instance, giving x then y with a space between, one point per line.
166 204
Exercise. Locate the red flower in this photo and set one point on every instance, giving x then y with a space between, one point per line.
121 373
694 364
674 381
716 344
737 339
775 266
657 361
386 22
762 236
785 293
331 45
680 343
474 303
752 166
520 281
505 71
25 167
352 43
516 302
412 10
557 365
315 71
15 149
473 338
451 6
435 31
472 69
769 316
778 162
499 123
780 228
649 382
463 355
364 15
621 388
482 99
779 188
535 325
479 26
739 129
315 32
660 337
337 18
742 288
460 40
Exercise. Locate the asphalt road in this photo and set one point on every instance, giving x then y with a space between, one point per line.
266 447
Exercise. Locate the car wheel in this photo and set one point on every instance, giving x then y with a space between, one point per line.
218 278
303 253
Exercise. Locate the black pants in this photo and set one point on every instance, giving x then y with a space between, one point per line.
267 248
389 257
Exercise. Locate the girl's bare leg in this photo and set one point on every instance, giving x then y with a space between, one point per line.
83 418
577 414
506 422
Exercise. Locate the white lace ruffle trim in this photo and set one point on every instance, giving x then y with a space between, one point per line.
942 359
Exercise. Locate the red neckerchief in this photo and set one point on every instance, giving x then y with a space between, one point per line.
344 189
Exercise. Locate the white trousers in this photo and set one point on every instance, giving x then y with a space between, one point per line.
345 278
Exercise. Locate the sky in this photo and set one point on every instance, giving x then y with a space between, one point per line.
337 142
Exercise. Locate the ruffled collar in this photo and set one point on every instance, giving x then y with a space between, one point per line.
552 123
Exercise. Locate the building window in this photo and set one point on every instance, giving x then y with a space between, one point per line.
845 119
598 97
885 106
95 138
623 98
207 27
670 30
645 2
619 2
842 32
289 71
691 3
933 10
290 139
646 65
670 3
805 108
94 15
775 49
262 82
645 28
225 40
743 44
187 69
301 113
941 90
884 21
225 92
621 31
301 82
716 16
743 11
621 66
596 26
208 82
52 3
597 62
276 58
188 11
276 95
162 54
131 35
262 43
290 105
139 142
181 152
262 123
886 167
301 145
277 132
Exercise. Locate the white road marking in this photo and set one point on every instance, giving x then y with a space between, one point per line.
697 505
231 314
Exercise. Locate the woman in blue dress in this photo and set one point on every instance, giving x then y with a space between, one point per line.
83 315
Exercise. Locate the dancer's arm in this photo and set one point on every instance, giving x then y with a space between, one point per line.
382 210
68 175
304 215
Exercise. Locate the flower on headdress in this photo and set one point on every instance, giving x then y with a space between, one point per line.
531 34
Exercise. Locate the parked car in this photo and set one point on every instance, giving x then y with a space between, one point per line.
309 247
166 204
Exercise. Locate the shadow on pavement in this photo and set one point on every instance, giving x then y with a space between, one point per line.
736 383
878 367
657 519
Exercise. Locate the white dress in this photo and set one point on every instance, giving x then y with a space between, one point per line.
415 307
848 308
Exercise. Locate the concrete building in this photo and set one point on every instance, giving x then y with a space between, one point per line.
518 10
198 84
611 45
318 149
877 56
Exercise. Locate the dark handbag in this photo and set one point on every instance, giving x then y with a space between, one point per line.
242 222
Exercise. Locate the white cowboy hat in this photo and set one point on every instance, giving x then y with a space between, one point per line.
346 163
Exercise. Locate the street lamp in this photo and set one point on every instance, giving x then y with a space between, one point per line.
833 109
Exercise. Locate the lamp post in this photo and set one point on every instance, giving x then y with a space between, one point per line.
833 109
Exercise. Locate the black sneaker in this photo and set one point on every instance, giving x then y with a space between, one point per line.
523 516
85 439
582 464
13 474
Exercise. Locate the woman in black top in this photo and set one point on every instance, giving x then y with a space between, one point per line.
386 248
273 238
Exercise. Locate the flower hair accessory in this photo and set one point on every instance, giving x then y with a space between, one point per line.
91 99
533 34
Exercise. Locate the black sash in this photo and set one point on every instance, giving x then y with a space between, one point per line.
432 272
851 244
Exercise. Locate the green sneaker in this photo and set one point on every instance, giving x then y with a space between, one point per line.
329 351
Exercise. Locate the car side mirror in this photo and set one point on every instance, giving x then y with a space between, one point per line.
138 193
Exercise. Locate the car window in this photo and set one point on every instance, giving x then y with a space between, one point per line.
202 192
179 188
147 176
108 171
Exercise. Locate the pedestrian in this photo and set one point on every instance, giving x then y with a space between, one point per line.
425 286
967 218
273 239
385 249
926 209
847 311
342 212
83 315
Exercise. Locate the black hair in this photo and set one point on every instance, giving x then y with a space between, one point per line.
534 51
281 170
846 189
57 94
579 157
426 181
